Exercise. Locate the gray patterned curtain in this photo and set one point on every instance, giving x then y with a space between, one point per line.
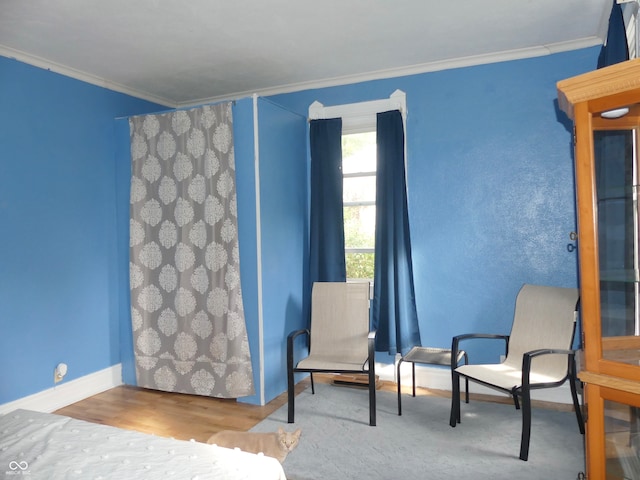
188 323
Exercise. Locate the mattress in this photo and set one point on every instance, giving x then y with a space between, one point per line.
48 446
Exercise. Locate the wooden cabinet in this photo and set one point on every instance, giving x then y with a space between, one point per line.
605 108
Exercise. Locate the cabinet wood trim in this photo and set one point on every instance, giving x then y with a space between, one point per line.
608 381
617 79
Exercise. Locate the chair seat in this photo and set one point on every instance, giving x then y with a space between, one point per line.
428 356
432 356
319 362
502 376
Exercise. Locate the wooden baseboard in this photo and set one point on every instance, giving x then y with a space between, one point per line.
354 380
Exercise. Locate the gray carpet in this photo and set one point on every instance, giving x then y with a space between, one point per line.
337 442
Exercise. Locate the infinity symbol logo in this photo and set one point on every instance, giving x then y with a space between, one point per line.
18 465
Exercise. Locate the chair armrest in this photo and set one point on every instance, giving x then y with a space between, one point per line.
290 339
549 351
527 357
371 356
371 341
468 336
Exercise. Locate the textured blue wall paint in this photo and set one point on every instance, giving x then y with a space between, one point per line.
283 207
122 293
243 136
58 248
491 190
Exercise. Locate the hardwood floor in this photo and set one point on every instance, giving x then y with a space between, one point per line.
195 417
176 415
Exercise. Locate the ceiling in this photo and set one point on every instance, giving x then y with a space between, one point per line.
196 51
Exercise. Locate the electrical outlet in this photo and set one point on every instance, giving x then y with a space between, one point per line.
59 372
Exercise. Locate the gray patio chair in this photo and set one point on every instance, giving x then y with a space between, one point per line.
538 354
340 340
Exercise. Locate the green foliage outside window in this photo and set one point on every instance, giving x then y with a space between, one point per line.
358 152
359 265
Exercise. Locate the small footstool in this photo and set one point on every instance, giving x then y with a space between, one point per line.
430 356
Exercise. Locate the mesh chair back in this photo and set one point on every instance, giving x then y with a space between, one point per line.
544 318
340 321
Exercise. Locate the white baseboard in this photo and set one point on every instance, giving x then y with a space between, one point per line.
440 379
67 393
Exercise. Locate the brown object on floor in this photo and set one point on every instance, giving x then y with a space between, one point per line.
354 380
272 444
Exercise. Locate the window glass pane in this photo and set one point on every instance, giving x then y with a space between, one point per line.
622 442
359 152
359 189
359 185
359 226
359 265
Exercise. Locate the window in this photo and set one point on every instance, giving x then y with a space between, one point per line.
359 176
359 203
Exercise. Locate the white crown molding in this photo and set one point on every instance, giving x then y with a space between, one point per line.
67 393
79 75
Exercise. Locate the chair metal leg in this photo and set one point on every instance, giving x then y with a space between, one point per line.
516 402
413 378
399 389
371 362
290 394
466 390
466 380
313 388
372 394
526 424
576 404
454 418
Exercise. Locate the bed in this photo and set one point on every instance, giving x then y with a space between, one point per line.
48 446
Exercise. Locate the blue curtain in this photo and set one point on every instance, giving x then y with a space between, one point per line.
393 309
615 50
326 229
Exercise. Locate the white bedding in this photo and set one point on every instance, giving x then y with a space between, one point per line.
39 445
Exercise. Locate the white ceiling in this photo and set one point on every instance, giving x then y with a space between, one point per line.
195 51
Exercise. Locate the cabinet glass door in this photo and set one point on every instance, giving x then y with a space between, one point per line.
616 170
622 441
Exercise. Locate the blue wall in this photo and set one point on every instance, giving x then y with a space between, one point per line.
490 181
58 248
243 136
283 211
490 196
